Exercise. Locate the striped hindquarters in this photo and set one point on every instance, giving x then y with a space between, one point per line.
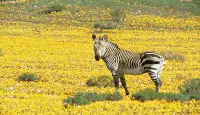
152 62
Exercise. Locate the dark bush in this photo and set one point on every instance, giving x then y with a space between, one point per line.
150 94
110 25
92 81
98 25
114 97
28 77
54 8
83 98
190 90
196 97
191 87
105 25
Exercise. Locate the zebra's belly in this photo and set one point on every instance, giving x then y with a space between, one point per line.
135 71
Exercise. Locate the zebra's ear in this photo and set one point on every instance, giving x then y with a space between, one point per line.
94 36
105 37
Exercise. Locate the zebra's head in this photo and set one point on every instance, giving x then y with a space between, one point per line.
99 46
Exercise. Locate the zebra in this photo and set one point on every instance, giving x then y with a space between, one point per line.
121 62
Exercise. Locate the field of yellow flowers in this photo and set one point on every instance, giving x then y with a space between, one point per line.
61 53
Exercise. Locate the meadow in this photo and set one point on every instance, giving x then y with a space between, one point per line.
55 44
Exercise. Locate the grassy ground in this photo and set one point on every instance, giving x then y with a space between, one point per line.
57 47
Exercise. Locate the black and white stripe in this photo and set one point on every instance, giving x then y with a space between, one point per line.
121 62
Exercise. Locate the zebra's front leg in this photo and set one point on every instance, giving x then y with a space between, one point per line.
116 81
123 81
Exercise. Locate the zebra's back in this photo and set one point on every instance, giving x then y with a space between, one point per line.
138 63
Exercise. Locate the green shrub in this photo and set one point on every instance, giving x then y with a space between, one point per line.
190 90
110 25
118 14
114 97
103 81
191 87
28 77
173 56
69 100
98 25
145 95
83 98
53 8
150 94
1 52
105 25
92 81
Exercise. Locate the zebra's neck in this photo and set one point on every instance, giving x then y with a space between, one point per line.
112 51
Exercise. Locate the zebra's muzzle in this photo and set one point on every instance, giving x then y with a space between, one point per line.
97 57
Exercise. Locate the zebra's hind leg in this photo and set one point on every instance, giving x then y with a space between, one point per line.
158 86
123 81
155 77
154 72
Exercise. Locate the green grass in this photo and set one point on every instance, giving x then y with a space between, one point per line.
34 11
156 5
190 90
151 7
83 98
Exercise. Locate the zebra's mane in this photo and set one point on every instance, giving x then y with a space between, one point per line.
114 44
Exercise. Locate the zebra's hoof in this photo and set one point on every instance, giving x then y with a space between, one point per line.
127 93
157 89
